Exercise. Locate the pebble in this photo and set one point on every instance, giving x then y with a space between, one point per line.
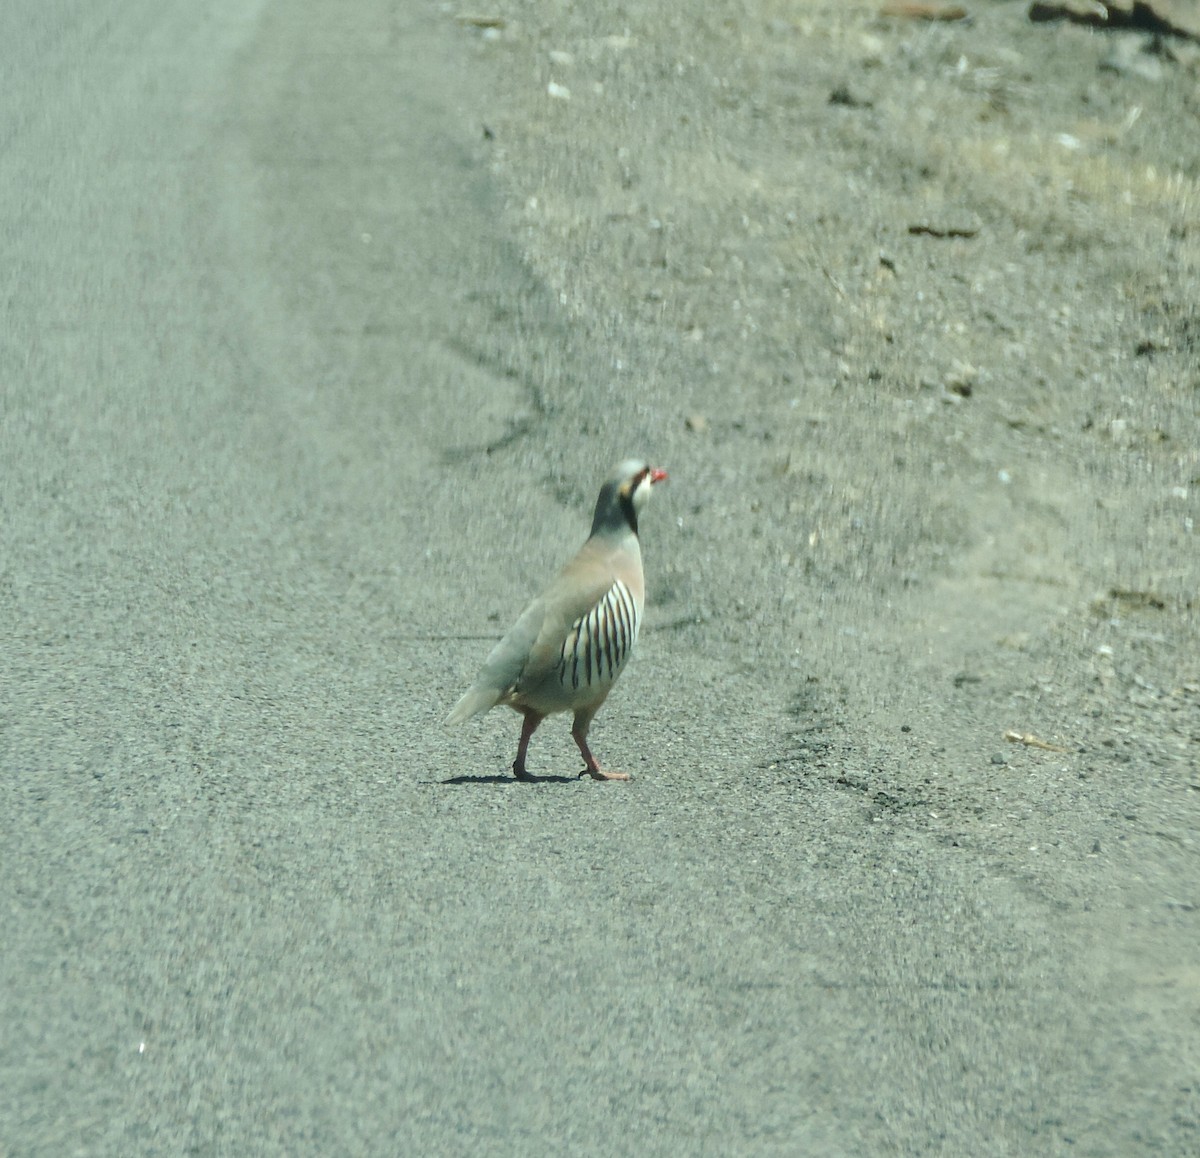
1130 58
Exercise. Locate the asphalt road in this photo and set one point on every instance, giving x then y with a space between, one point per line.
263 325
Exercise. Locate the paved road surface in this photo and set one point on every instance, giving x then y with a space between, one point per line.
252 357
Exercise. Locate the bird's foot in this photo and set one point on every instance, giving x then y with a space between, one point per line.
521 774
598 773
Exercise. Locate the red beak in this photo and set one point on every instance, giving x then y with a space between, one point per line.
657 474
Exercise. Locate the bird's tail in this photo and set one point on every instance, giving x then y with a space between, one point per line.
475 702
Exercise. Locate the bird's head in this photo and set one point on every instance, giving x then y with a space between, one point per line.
624 494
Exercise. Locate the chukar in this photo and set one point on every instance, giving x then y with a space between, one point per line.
571 642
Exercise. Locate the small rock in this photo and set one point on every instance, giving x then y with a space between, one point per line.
961 379
1152 345
998 759
873 48
559 92
844 97
1129 58
696 423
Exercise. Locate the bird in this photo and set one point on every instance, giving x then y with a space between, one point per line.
570 644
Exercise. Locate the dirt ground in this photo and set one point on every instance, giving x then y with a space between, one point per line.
908 309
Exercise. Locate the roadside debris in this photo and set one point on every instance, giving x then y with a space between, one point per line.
1032 741
950 229
925 11
478 20
1163 17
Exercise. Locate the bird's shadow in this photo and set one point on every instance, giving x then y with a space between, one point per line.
510 779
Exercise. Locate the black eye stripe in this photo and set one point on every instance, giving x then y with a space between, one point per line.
636 481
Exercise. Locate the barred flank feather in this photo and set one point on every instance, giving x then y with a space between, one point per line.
599 642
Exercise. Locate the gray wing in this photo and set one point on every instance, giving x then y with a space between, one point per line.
503 667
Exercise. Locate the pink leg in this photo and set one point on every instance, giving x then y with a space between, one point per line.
579 731
532 719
